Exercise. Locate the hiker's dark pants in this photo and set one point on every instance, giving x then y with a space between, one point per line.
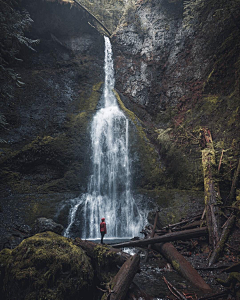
102 236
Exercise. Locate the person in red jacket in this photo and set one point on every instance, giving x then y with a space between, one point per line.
103 229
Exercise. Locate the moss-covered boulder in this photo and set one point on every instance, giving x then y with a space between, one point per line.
46 266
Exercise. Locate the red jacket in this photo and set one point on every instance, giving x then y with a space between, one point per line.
103 227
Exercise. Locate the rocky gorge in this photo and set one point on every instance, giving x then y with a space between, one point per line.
176 74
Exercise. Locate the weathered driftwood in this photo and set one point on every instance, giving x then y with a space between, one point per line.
224 237
211 190
121 282
181 265
169 237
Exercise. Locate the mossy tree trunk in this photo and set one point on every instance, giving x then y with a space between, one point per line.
211 189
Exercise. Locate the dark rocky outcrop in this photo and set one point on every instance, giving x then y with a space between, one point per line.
44 224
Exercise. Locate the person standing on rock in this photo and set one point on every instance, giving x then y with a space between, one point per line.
103 229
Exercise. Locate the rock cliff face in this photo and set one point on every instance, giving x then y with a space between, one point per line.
172 77
49 117
46 157
156 57
175 78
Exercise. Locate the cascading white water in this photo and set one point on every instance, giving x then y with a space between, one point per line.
109 191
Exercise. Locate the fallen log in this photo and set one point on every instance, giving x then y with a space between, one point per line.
191 225
183 222
211 189
121 282
169 237
181 265
224 237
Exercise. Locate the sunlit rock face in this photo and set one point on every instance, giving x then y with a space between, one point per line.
157 58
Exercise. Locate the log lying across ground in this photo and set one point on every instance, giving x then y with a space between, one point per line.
168 237
183 222
181 265
121 282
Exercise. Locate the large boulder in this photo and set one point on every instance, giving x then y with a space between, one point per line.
46 266
44 224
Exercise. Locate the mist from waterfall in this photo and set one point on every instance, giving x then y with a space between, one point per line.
109 190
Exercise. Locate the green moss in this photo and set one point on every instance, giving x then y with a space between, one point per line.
176 265
105 263
150 165
47 266
100 254
89 103
53 163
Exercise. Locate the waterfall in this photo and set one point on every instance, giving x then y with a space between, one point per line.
109 190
